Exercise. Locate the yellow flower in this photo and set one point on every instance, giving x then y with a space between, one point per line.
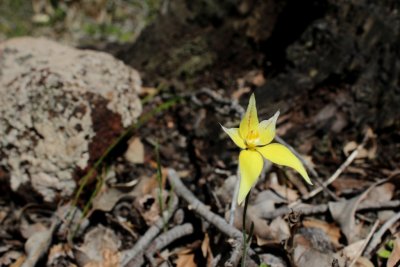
254 138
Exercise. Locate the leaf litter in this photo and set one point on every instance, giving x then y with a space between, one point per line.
331 229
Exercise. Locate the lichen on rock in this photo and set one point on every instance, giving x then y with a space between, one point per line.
52 97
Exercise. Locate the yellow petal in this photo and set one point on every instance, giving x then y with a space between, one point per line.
267 129
235 136
250 165
249 125
280 154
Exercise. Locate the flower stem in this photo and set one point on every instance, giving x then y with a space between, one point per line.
234 199
244 231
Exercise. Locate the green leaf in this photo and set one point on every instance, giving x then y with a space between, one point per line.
383 253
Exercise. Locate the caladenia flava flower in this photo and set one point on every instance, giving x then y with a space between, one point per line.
254 138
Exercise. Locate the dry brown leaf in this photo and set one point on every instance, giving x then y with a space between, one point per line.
108 196
380 193
206 250
284 191
27 230
135 151
343 212
110 259
305 254
330 229
149 206
346 184
58 251
185 260
100 244
351 251
395 255
19 261
205 245
363 262
276 232
12 258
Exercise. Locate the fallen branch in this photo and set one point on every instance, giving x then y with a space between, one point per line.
322 208
167 238
128 256
377 238
203 211
38 244
339 171
366 241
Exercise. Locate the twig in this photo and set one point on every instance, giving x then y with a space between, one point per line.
378 235
339 171
204 212
236 254
308 167
167 238
322 208
214 262
128 256
38 244
366 241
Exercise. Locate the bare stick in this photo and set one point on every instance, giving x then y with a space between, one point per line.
203 211
309 168
366 241
150 234
167 238
378 235
334 176
322 208
38 244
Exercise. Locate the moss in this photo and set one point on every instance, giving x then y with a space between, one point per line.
15 18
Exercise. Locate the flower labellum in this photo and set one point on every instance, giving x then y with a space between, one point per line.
254 138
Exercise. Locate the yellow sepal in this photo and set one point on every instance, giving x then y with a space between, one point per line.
235 136
248 128
281 155
250 166
267 128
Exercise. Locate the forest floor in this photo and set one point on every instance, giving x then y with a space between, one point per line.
161 195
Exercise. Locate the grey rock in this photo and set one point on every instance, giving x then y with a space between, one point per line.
55 102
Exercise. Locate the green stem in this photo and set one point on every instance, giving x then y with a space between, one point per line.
246 201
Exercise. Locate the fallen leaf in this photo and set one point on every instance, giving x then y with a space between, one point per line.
330 229
279 229
12 256
56 252
205 245
100 244
110 259
308 251
351 251
343 212
206 250
185 260
149 205
284 191
135 151
394 258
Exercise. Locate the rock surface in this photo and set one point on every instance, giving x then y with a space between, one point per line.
60 108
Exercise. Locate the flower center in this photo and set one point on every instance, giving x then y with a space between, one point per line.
252 139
